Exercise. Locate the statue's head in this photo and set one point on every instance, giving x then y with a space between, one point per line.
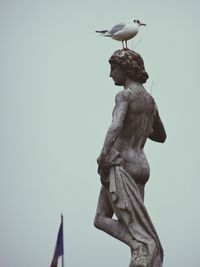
127 64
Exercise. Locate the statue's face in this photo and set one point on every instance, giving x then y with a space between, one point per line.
118 75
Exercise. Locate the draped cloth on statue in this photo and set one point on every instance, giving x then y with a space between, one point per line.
128 205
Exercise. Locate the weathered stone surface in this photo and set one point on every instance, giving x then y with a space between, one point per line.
123 166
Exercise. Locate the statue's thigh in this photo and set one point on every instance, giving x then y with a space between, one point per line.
104 207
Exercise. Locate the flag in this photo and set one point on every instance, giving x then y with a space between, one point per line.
59 249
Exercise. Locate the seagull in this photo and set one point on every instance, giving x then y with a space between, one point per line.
123 31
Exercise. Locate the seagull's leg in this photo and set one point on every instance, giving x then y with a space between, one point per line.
123 44
126 44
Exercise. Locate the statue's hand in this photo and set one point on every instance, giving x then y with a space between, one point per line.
103 169
101 160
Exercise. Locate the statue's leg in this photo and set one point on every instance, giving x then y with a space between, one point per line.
103 221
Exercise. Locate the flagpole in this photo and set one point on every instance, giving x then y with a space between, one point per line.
63 240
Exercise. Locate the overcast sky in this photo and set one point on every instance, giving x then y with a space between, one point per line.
56 100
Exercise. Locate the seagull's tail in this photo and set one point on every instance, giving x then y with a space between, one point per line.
102 32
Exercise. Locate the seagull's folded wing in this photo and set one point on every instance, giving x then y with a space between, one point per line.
116 28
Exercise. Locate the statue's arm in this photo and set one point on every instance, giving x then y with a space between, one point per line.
119 113
158 133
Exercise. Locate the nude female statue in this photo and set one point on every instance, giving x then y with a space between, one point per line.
122 164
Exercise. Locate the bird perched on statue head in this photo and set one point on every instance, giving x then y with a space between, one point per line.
123 31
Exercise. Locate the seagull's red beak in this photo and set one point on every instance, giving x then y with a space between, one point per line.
143 24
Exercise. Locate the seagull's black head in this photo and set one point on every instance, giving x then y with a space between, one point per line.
136 21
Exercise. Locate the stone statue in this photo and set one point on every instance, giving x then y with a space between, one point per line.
122 164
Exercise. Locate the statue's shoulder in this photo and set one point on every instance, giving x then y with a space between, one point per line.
123 95
154 105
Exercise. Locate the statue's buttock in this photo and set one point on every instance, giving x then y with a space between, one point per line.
137 166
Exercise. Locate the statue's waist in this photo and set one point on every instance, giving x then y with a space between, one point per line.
135 164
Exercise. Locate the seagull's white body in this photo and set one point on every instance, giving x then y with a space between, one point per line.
123 31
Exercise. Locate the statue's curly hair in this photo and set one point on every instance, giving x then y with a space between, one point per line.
131 63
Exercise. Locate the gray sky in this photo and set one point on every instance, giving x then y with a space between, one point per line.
56 102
